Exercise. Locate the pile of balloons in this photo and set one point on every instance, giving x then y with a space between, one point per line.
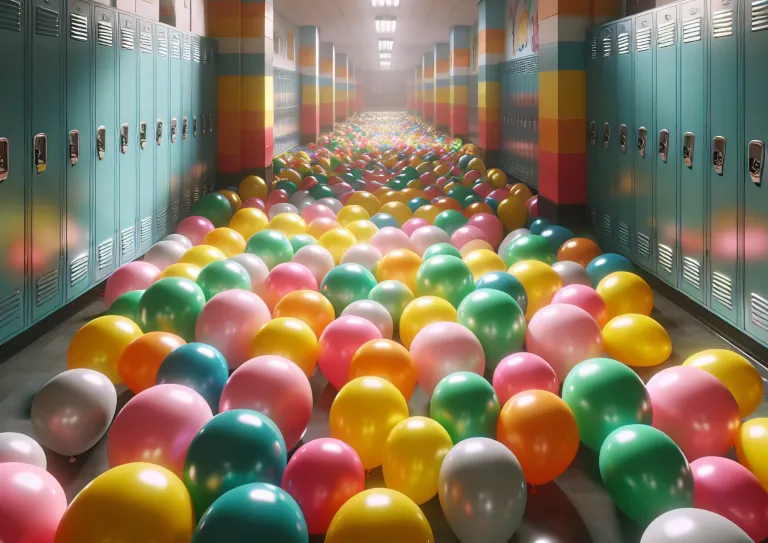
385 258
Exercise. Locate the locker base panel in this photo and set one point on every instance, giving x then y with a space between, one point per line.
574 217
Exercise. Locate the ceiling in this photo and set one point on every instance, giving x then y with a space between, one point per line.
349 24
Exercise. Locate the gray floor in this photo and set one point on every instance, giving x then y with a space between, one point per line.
573 509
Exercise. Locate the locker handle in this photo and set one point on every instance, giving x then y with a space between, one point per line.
606 135
718 154
143 135
74 146
689 141
623 138
203 123
101 142
592 132
664 144
174 130
756 161
210 123
194 126
5 153
41 153
159 132
642 137
184 128
124 138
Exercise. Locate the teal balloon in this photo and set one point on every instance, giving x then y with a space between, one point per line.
464 161
127 305
394 296
171 305
645 473
321 178
416 203
255 508
397 183
538 225
445 276
357 172
384 219
466 405
605 395
556 236
449 221
234 448
349 178
197 366
469 199
606 264
410 173
301 240
287 186
507 283
440 249
214 207
271 246
321 191
496 320
459 192
493 204
529 248
221 275
345 284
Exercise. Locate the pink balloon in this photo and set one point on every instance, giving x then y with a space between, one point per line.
318 260
341 188
432 192
135 275
533 206
427 178
258 203
339 342
472 176
500 194
275 197
563 335
32 503
586 298
482 189
195 229
427 236
256 269
695 409
287 277
465 234
523 371
317 211
443 348
490 225
229 322
157 425
344 198
276 387
411 225
373 186
390 238
727 488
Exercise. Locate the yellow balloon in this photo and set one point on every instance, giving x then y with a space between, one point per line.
308 306
350 213
320 226
442 169
413 192
382 192
202 255
233 198
289 224
187 271
636 340
252 186
497 178
428 213
292 175
366 200
625 292
363 413
413 454
424 167
483 261
248 221
736 373
540 282
337 241
520 192
399 265
290 338
512 213
415 161
99 344
476 164
752 448
475 245
421 312
132 502
363 230
229 241
399 211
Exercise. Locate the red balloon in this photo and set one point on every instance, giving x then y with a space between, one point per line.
278 196
258 203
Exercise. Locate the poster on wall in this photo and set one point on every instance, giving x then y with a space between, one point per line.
522 28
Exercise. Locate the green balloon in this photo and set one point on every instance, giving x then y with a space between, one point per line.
287 186
321 191
507 283
270 246
302 240
214 207
127 305
528 248
459 192
537 225
466 405
449 221
221 275
171 305
445 276
605 395
277 165
445 249
464 161
645 472
234 448
410 173
346 284
416 203
394 296
473 198
497 321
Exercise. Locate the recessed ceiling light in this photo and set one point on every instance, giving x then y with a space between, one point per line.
385 26
386 45
385 64
385 3
385 56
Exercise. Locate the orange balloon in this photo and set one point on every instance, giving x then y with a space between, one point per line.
448 186
579 250
446 203
308 306
540 429
477 207
320 226
512 213
383 191
140 361
386 359
399 265
233 198
520 191
428 213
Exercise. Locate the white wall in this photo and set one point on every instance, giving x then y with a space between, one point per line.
386 90
283 31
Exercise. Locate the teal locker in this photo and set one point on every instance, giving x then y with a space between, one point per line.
146 133
607 135
175 128
623 150
187 150
14 155
105 140
669 145
593 101
726 151
693 160
47 158
196 170
161 140
79 129
212 80
127 159
206 111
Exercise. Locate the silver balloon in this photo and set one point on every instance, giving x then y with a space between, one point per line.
317 259
482 491
165 253
693 526
304 204
512 236
363 254
279 209
572 273
178 238
20 448
300 196
331 203
373 312
255 268
73 411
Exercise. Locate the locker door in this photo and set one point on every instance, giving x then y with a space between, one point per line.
187 150
623 150
208 108
127 137
146 133
724 242
607 136
175 128
79 129
667 153
103 144
213 164
162 142
195 130
47 161
593 101
693 162
13 167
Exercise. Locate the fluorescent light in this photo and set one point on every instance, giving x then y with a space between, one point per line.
385 3
386 45
386 65
385 26
385 56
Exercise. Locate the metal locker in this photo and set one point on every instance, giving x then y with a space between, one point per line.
593 101
79 133
174 130
725 159
195 130
667 154
623 148
161 125
208 141
127 157
47 160
606 134
187 150
212 108
146 135
693 162
13 166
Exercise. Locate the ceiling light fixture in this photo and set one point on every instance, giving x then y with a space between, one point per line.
385 3
386 45
385 26
385 56
385 65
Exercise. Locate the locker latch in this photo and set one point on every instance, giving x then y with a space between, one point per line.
194 126
688 143
184 128
718 154
159 132
5 153
606 135
143 135
101 142
210 124
623 138
41 153
174 130
204 124
756 160
642 139
124 138
74 146
664 144
592 132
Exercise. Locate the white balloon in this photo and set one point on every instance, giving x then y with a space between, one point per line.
255 268
300 196
366 255
572 273
331 203
317 259
690 525
512 236
178 238
304 204
20 448
425 237
279 209
165 253
374 312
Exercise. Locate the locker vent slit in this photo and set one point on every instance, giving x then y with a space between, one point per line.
162 44
607 46
722 23
46 22
643 245
10 15
759 15
196 51
665 257
175 47
78 27
162 219
127 37
594 48
623 43
146 42
593 219
607 226
692 272
145 230
722 289
666 34
104 33
10 308
624 235
692 30
47 287
127 241
758 308
643 39
105 250
78 269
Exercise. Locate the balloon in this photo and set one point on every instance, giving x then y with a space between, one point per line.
229 241
466 234
181 269
128 277
308 306
625 292
441 249
556 236
733 370
446 277
394 296
482 491
428 212
523 371
280 208
255 203
466 405
351 213
482 262
504 282
364 255
316 259
199 367
248 221
290 338
585 298
529 248
140 361
579 250
606 264
366 200
300 240
491 227
126 305
636 340
286 278
540 281
449 221
645 473
337 241
752 448
538 225
389 238
99 344
256 269
252 186
512 213
214 207
426 236
321 476
374 312
317 211
510 238
202 255
236 447
421 312
171 305
271 246
688 525
363 230
32 503
331 202
572 273
363 413
475 245
320 226
233 198
338 344
345 284
398 211
163 254
195 228
157 426
132 502
222 275
22 449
